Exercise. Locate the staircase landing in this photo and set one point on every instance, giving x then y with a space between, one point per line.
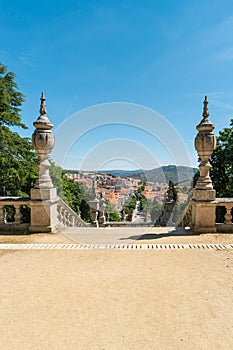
116 235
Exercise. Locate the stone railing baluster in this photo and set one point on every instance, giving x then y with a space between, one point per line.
67 217
17 225
228 217
17 213
1 214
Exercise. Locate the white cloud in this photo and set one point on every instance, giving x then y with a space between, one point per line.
226 55
26 59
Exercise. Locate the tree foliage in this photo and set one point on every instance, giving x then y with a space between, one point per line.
142 199
222 163
130 205
155 210
18 160
112 213
74 194
10 99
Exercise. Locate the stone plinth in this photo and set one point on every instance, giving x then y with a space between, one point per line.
203 216
94 208
102 208
167 214
43 194
204 195
43 210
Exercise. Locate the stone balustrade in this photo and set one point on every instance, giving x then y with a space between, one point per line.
185 219
225 227
67 217
17 203
16 223
49 213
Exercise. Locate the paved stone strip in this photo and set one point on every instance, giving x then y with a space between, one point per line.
114 246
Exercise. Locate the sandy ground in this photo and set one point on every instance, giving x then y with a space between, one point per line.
121 235
101 300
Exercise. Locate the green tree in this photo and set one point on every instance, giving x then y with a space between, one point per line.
154 209
129 206
112 212
222 163
141 188
18 170
74 194
141 199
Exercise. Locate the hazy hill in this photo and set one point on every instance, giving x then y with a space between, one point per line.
177 174
123 173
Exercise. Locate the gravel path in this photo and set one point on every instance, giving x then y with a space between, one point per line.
106 299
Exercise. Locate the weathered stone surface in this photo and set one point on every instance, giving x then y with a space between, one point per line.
204 195
43 142
203 217
43 196
43 193
203 202
43 216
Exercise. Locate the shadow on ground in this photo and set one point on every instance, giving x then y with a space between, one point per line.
149 236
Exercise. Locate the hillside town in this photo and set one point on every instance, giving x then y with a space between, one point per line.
117 190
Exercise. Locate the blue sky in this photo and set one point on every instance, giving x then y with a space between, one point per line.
164 55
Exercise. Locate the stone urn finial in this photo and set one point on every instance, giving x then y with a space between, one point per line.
205 143
43 142
43 110
205 113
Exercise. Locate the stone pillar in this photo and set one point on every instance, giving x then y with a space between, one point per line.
94 205
166 217
203 212
102 207
94 208
43 195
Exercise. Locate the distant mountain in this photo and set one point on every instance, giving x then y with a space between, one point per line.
123 173
177 174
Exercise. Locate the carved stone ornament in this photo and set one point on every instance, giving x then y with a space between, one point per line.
43 142
205 143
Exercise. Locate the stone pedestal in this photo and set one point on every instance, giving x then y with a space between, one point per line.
43 194
204 195
102 218
94 208
43 197
203 217
203 202
43 210
167 214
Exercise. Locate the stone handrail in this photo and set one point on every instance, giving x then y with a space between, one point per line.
17 225
17 203
227 226
185 219
67 217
